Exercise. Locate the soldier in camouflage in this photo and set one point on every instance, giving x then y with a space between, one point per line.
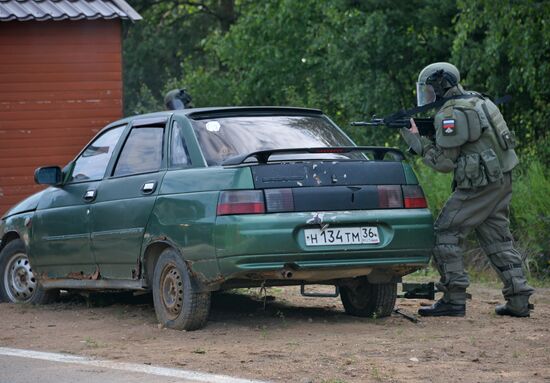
473 141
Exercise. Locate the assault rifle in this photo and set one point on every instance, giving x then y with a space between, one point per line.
425 125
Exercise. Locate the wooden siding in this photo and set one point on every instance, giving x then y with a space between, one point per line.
60 83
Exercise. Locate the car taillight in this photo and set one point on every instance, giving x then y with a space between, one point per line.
241 202
413 196
390 196
279 200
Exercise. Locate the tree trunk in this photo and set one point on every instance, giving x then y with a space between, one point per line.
226 14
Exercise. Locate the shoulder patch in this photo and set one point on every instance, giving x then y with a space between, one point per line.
448 127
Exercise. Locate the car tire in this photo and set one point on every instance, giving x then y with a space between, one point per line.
178 304
363 299
18 284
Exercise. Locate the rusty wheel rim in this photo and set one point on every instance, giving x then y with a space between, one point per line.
19 281
171 291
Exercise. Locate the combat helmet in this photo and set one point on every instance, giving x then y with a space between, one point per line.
434 80
177 99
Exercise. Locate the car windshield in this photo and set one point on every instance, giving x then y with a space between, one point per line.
226 137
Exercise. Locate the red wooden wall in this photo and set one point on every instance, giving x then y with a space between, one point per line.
60 83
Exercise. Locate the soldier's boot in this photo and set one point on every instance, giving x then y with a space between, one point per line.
516 306
443 309
453 304
507 263
454 280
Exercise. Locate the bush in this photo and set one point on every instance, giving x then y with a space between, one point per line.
530 215
437 186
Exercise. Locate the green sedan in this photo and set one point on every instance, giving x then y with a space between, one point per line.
184 203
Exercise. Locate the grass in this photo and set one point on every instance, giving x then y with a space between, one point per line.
427 274
281 315
539 282
92 343
484 277
263 332
375 374
256 292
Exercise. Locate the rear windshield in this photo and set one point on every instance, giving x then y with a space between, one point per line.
226 137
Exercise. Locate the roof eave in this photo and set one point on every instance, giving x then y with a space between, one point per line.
126 8
110 9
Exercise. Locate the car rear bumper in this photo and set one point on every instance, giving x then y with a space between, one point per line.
270 246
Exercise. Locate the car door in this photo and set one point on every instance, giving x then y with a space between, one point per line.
125 199
60 239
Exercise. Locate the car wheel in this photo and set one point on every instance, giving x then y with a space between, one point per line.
19 284
178 304
364 299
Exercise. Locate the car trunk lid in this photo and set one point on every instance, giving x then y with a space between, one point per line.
330 185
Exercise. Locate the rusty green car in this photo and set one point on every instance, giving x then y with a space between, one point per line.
185 203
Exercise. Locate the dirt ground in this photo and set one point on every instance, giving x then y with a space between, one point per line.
296 339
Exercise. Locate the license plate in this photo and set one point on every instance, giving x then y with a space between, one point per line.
342 236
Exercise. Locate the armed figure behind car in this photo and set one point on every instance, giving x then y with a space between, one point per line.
472 140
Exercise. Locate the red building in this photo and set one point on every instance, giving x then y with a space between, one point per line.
60 83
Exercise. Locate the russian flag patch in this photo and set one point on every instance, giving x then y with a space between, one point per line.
449 127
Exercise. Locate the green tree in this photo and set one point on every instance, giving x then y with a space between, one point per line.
171 34
350 58
504 48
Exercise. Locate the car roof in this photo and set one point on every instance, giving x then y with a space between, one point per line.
225 111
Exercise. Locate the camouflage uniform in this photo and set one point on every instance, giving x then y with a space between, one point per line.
473 141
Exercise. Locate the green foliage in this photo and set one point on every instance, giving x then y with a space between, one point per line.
504 48
168 40
351 59
145 101
531 215
437 186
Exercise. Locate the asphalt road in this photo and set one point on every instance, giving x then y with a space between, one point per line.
21 370
23 366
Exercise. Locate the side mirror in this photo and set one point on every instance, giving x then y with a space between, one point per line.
48 175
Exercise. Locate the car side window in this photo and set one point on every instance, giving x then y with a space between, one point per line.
179 156
92 163
142 152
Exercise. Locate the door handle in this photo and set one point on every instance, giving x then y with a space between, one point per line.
149 187
90 195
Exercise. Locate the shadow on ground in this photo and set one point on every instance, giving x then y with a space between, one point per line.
228 306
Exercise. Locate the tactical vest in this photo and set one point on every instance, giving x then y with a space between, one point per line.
486 144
